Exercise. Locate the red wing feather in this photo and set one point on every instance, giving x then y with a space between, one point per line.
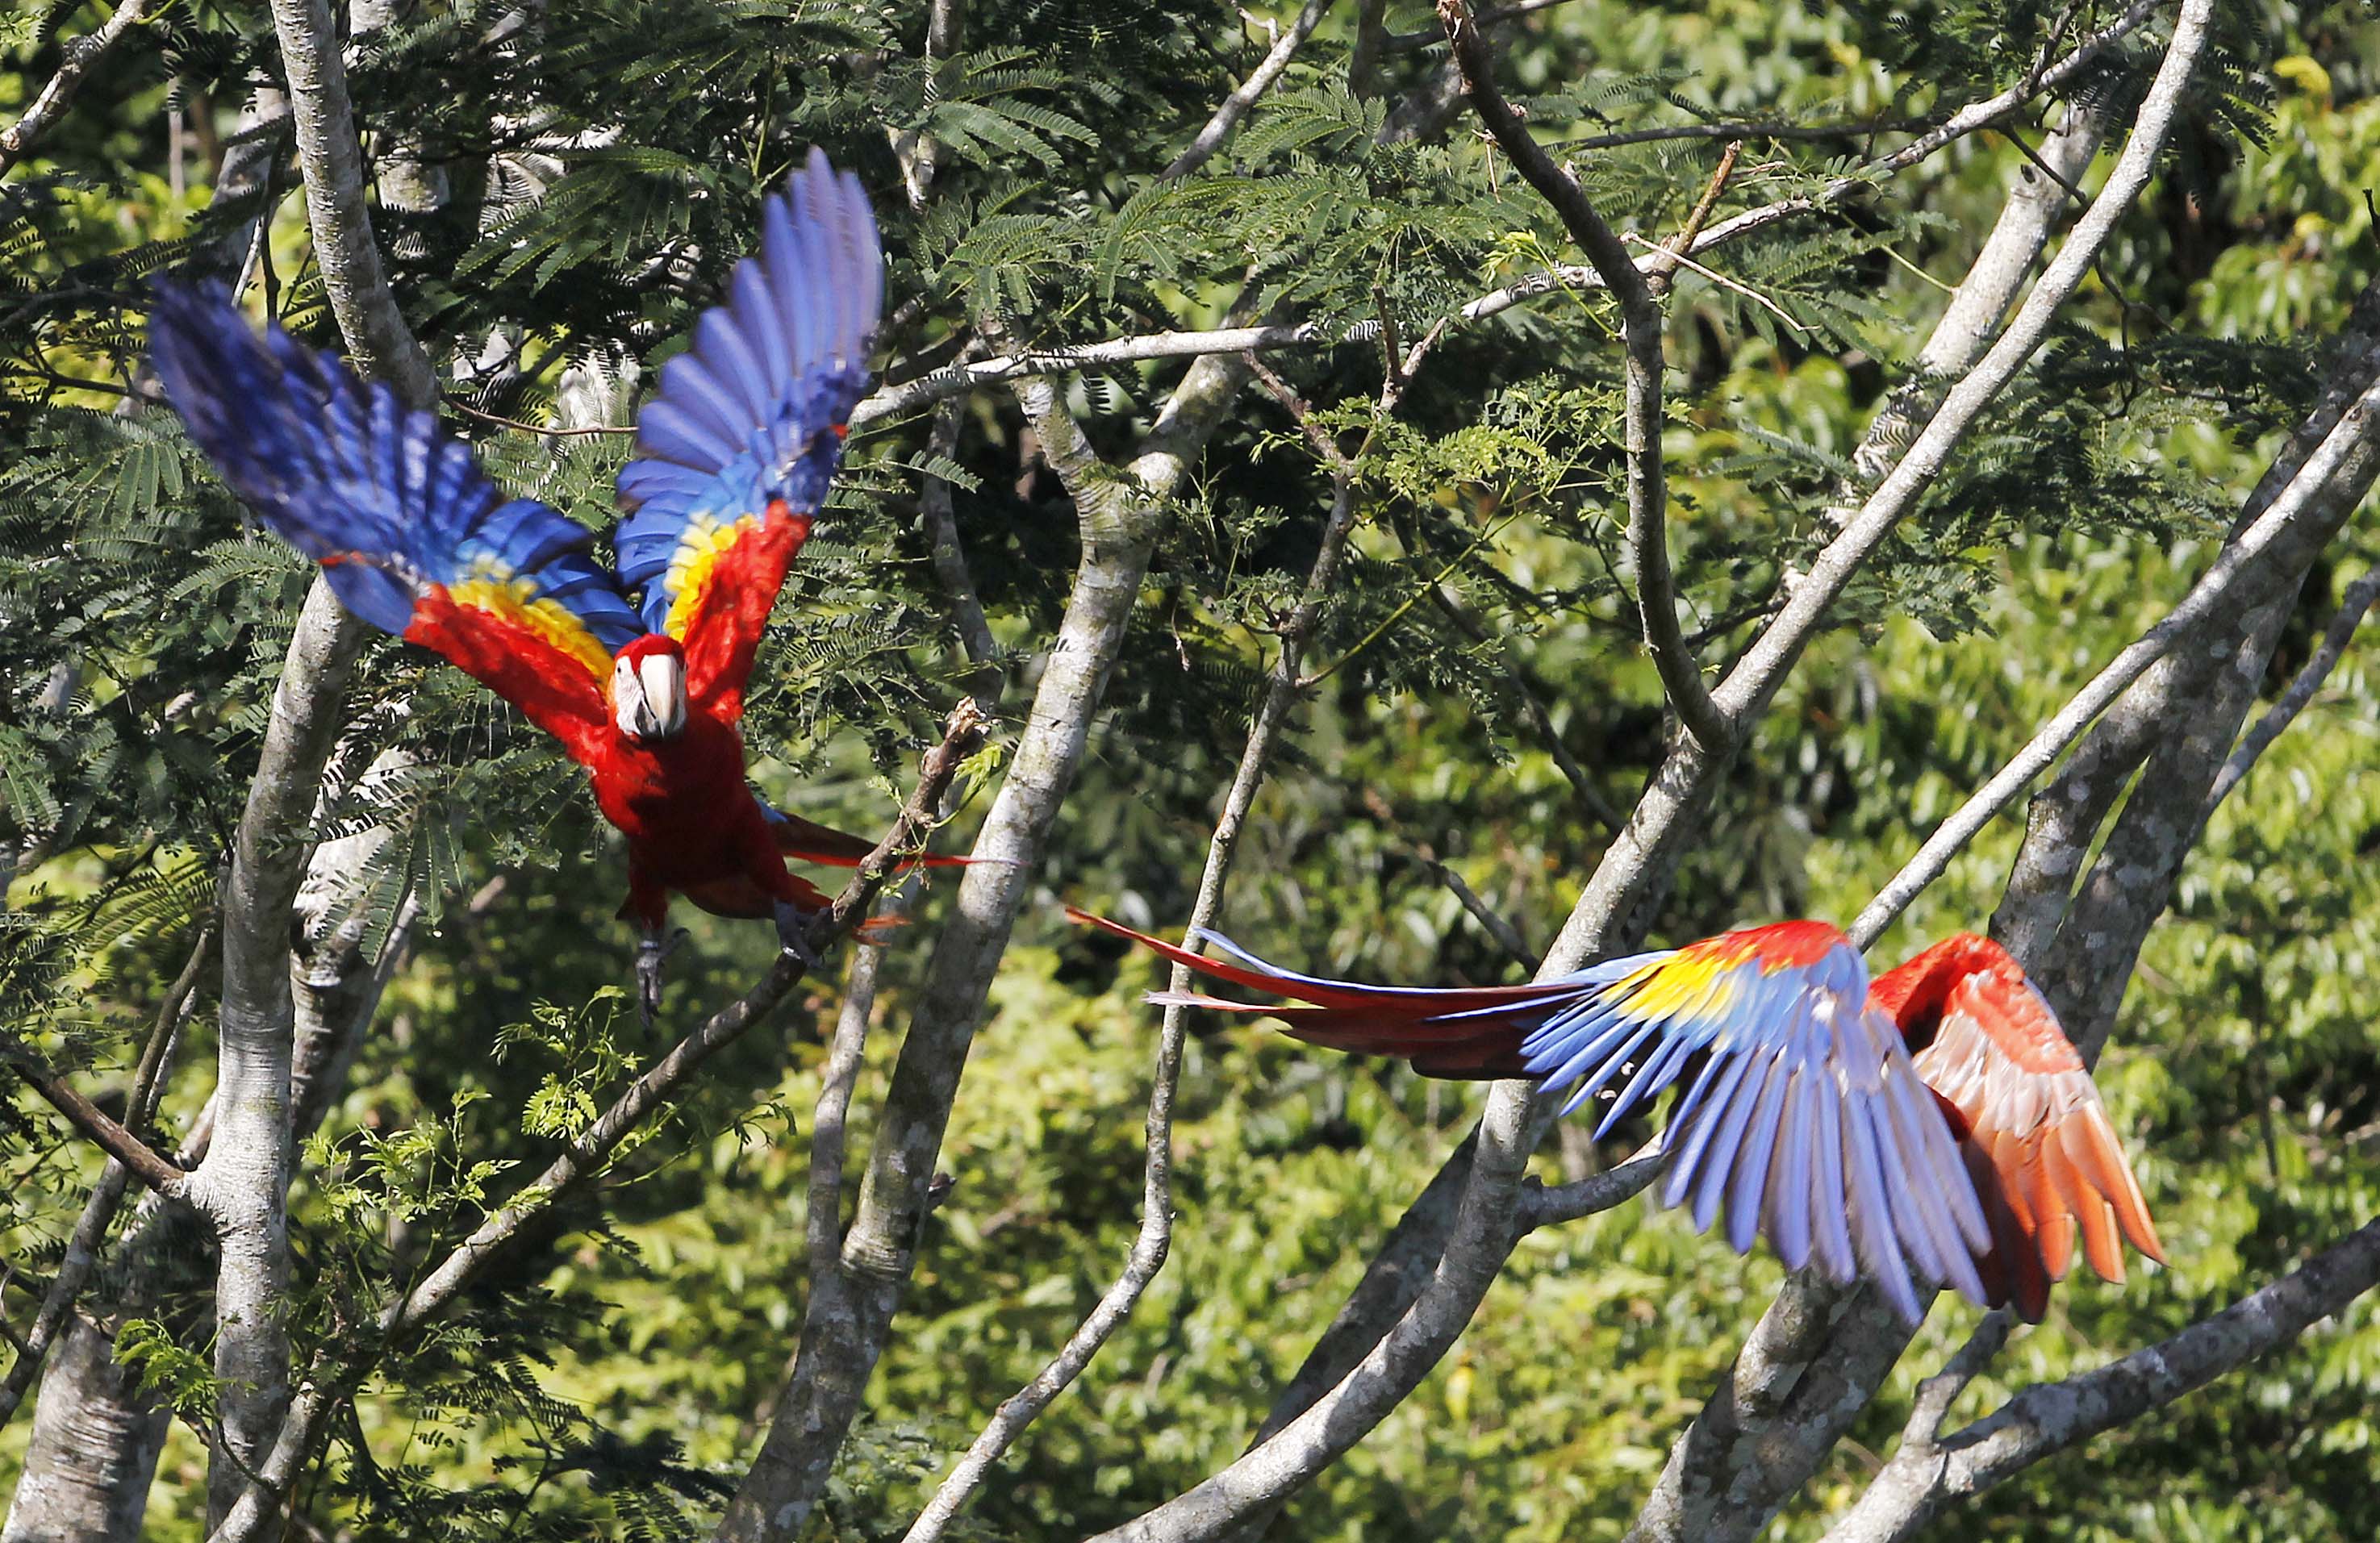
558 691
724 595
2037 1126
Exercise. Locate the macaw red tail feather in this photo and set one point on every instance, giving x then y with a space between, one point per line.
1453 1033
813 843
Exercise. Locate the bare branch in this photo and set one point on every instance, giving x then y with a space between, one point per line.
1507 936
851 1307
2352 604
1755 677
1494 16
1550 1206
81 53
1154 1240
2049 1417
896 400
81 1256
143 1161
2347 454
379 344
1236 105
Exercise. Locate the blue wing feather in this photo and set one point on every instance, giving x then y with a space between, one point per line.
354 478
749 414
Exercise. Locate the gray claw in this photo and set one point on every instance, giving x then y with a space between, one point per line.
651 954
794 932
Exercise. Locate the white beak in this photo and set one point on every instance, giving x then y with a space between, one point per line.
649 697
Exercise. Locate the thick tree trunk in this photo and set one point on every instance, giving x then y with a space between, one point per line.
94 1449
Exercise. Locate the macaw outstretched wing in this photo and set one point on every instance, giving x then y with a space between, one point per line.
1805 1120
412 536
735 453
2038 1139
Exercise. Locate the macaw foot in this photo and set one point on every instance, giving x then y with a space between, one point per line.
794 923
651 953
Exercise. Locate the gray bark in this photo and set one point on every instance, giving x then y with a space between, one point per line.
1930 1472
19 138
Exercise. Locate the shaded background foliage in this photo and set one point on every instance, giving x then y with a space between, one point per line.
601 172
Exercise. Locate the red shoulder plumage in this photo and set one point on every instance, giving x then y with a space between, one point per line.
1780 946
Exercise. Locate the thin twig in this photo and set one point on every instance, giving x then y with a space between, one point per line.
149 1166
1495 16
1678 260
1507 937
1551 1205
2352 604
1640 333
1659 272
2354 428
513 423
1154 1240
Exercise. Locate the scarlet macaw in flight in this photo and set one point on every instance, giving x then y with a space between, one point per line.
735 456
1936 1123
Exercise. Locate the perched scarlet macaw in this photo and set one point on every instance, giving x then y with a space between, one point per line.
735 454
1969 1165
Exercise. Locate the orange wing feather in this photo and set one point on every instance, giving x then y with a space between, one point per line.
2039 1133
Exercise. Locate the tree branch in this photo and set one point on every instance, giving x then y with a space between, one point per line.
2236 578
1755 677
2048 1417
1154 1240
143 1161
2352 604
851 1307
1640 336
81 53
1612 911
379 344
1236 105
81 1256
893 401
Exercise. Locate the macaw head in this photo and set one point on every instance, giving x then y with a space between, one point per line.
649 689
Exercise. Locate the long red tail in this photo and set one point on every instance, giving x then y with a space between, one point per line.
1411 1024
